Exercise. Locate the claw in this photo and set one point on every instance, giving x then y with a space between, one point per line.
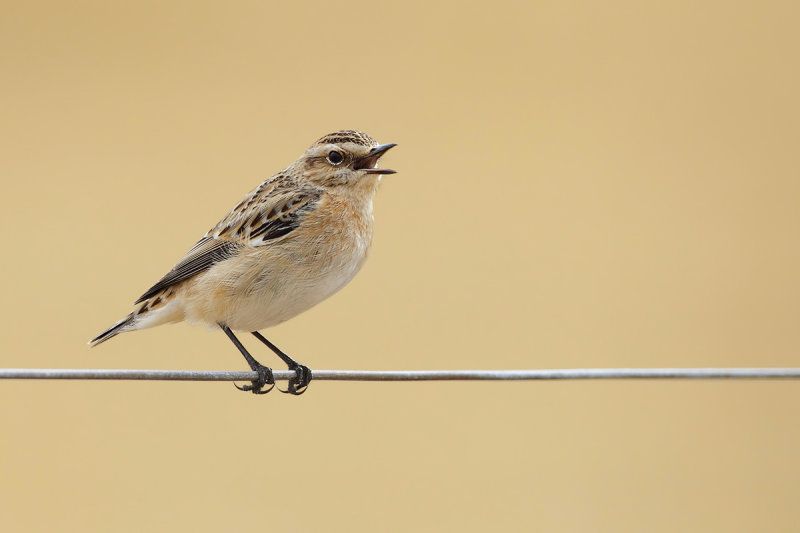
261 391
265 377
298 384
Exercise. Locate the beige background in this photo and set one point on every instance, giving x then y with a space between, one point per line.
581 185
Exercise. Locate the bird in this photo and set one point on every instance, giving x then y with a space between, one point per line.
293 241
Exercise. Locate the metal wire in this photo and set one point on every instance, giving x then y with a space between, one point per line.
411 375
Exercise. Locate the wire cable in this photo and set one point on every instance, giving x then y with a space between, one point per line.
412 375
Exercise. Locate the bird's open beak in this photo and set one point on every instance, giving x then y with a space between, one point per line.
370 161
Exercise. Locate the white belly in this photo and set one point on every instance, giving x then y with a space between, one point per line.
276 303
263 289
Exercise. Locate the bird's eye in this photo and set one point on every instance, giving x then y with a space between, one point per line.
335 157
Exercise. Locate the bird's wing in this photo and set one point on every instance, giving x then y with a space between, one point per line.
205 253
272 210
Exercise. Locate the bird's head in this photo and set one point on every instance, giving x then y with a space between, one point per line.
344 158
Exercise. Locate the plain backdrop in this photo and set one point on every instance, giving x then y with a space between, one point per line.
581 184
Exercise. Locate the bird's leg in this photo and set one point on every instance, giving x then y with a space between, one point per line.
298 384
265 376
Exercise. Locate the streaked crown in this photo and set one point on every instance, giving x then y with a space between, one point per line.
347 136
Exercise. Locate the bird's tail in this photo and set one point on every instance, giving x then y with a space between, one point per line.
123 325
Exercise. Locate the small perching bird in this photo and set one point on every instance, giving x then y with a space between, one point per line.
293 241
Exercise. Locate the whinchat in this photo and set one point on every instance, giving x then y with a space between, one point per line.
294 240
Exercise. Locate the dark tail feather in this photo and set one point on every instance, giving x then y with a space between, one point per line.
114 330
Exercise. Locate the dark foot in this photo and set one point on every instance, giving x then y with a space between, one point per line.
265 377
298 384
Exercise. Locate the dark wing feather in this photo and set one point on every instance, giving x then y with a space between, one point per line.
200 258
272 210
282 221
